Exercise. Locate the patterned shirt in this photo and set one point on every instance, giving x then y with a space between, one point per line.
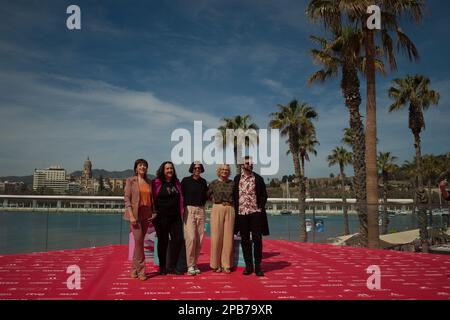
221 191
247 195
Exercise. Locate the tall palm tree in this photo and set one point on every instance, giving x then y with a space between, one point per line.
386 167
431 168
331 13
342 54
308 141
295 122
415 91
340 156
410 170
236 123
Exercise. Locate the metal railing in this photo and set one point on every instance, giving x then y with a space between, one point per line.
49 226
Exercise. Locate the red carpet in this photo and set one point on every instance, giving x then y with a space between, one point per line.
293 271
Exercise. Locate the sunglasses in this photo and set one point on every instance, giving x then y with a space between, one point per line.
199 168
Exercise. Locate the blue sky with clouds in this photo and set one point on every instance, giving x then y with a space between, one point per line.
137 70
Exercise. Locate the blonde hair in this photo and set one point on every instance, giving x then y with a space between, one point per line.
223 166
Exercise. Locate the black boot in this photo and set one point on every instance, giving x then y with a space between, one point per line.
162 271
248 269
174 270
258 271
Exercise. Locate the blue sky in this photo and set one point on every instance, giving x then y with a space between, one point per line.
137 70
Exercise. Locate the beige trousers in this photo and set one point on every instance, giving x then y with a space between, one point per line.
194 227
222 231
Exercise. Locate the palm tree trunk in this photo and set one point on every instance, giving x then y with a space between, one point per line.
302 203
296 159
351 90
421 195
385 223
413 213
314 216
371 144
344 202
430 204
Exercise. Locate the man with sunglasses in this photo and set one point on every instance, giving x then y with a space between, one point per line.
194 190
250 198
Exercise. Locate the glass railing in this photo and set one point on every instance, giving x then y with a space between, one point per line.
24 230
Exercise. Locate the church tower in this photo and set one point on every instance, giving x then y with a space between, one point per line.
87 169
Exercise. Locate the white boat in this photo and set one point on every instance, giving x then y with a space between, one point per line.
308 225
439 212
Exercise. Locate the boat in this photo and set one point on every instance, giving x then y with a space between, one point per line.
285 212
308 225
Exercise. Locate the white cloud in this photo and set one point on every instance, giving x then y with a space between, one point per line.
46 118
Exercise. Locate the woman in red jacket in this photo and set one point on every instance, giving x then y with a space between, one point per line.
139 210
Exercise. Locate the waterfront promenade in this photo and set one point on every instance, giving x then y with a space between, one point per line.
98 204
293 271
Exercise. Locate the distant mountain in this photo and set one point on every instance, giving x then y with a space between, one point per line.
25 179
96 173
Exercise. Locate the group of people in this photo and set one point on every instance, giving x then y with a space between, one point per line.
177 209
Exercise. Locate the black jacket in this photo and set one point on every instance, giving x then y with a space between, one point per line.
261 200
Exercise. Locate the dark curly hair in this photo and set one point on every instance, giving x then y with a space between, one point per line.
160 172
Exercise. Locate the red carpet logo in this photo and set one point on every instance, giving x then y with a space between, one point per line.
74 281
374 281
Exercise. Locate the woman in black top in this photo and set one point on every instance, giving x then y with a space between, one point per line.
169 205
194 194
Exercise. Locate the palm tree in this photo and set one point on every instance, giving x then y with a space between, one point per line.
416 91
386 167
431 168
347 138
307 142
410 170
295 122
236 123
332 13
342 157
343 53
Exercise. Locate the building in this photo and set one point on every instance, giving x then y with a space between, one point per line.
74 187
53 178
87 182
116 184
13 187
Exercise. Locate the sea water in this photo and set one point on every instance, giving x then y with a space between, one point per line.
22 232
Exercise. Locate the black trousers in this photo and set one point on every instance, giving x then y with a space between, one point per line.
165 226
251 223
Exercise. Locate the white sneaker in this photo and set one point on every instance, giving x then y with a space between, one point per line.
197 270
191 271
